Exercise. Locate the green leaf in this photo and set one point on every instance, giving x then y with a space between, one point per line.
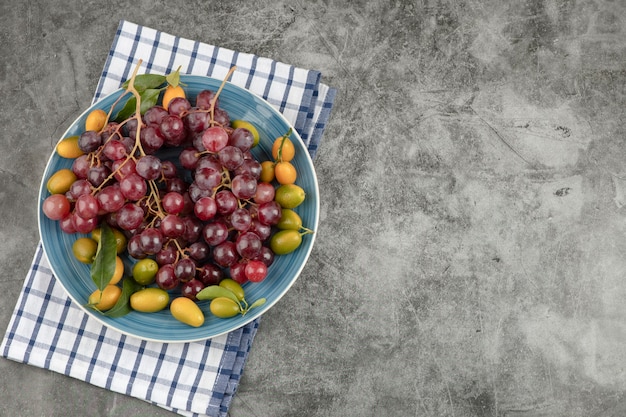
149 99
103 266
257 303
144 82
173 78
127 111
122 307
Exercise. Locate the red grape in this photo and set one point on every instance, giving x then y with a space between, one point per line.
56 206
256 271
214 139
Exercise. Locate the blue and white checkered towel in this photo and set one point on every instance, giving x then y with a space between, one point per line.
192 379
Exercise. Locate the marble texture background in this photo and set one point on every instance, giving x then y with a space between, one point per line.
469 259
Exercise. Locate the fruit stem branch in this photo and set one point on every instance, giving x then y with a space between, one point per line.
131 88
154 193
306 231
217 93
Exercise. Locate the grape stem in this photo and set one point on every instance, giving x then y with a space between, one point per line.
218 92
154 195
131 88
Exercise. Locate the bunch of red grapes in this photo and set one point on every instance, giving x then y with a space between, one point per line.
183 187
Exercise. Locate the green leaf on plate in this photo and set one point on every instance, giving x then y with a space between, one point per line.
173 78
103 266
122 306
257 303
144 82
127 111
149 99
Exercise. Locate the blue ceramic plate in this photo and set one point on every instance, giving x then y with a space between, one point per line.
162 327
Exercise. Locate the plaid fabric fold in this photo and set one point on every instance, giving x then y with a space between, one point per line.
192 379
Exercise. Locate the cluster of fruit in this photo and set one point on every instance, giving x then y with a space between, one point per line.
210 214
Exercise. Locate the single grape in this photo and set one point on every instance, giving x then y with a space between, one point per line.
266 255
193 229
244 186
214 138
196 121
231 157
172 226
86 206
265 193
189 158
215 233
110 198
242 138
196 193
225 254
178 106
114 150
84 225
205 208
155 114
237 271
111 220
192 287
134 248
98 174
241 219
226 202
269 213
199 251
131 128
165 278
129 217
210 274
133 186
173 202
152 139
256 271
169 169
173 130
262 230
129 144
80 187
123 168
221 117
89 141
185 269
151 240
210 161
149 167
80 166
188 204
203 99
66 224
177 185
56 206
248 245
167 255
196 141
207 178
249 166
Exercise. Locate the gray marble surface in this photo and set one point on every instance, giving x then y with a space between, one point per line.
470 254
